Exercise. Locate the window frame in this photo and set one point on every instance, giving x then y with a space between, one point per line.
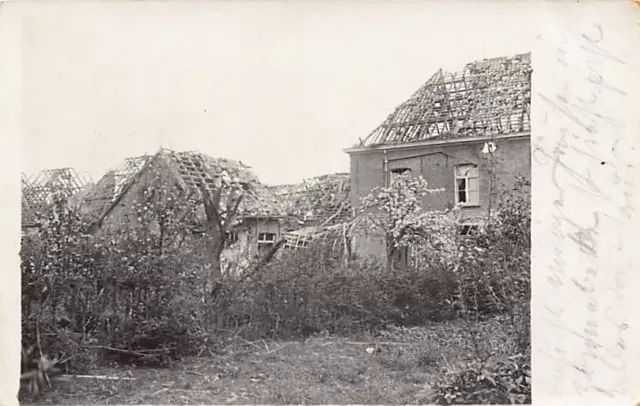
467 202
265 241
265 245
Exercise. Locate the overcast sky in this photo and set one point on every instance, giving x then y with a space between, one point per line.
282 86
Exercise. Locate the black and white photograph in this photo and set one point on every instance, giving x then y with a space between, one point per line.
279 202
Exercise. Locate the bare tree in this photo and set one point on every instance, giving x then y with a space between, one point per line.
220 214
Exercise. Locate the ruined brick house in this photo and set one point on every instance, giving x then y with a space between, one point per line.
467 132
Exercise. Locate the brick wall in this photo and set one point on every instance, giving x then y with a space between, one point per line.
436 163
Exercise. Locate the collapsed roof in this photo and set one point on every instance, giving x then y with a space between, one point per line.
322 201
319 201
488 97
309 210
40 191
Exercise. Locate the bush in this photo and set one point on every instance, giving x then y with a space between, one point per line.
495 278
501 381
35 371
308 291
140 297
113 293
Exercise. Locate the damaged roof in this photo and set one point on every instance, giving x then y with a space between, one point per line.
39 191
100 198
189 168
488 97
318 201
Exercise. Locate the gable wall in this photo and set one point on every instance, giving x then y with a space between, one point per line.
123 214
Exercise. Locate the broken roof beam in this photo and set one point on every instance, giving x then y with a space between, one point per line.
38 192
51 180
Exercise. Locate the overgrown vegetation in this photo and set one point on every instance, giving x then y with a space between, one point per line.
142 296
387 368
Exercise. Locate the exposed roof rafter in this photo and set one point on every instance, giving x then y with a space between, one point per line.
190 169
40 191
488 97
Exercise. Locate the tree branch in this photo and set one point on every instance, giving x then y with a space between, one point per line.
211 202
232 213
269 254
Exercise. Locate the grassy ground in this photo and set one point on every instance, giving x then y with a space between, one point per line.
391 368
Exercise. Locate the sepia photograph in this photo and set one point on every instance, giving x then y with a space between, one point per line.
277 202
263 204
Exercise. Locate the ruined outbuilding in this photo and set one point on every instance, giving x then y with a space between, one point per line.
466 132
110 204
311 208
267 214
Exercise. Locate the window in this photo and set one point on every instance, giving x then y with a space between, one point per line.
266 238
466 186
401 256
397 172
265 242
400 171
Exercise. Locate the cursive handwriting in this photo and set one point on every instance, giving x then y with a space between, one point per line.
576 165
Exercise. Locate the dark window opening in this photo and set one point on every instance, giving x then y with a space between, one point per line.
462 190
402 256
400 171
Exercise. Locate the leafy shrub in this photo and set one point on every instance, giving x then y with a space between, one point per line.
500 381
116 293
495 274
494 278
308 291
